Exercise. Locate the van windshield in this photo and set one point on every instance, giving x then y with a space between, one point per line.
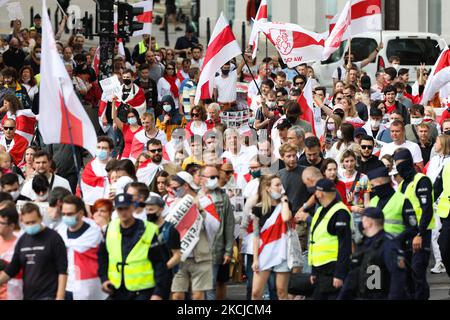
414 51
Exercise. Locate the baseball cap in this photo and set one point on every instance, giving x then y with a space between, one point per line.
123 200
374 213
378 173
155 200
325 185
183 177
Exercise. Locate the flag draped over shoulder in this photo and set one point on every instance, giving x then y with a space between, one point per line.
439 77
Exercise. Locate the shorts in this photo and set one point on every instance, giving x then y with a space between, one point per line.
282 267
199 274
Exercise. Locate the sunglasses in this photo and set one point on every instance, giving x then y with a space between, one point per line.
367 147
299 83
8 128
195 114
156 150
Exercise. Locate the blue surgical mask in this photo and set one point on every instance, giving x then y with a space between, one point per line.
132 121
33 229
101 154
70 221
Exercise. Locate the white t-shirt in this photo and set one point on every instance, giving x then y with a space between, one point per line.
226 87
390 148
28 191
344 71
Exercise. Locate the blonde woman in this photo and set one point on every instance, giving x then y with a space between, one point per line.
351 115
430 118
271 205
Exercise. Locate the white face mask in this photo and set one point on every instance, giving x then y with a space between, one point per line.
375 123
275 195
42 198
271 104
211 184
416 121
15 194
339 135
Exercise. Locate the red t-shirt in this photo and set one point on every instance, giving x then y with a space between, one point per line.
128 136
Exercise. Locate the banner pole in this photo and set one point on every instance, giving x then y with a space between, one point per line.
251 73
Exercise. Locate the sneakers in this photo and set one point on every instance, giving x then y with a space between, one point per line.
438 268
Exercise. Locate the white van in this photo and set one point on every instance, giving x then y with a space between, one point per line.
412 48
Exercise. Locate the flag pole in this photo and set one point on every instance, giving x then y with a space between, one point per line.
66 114
267 49
251 73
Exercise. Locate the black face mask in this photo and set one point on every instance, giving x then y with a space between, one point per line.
225 72
152 217
382 191
447 132
127 82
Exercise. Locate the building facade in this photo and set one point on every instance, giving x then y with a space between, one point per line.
404 15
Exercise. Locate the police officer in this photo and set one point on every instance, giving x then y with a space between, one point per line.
131 261
442 190
399 215
378 266
330 242
419 191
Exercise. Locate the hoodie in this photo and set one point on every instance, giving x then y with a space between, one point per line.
176 121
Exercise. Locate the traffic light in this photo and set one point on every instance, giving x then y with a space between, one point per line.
126 25
105 17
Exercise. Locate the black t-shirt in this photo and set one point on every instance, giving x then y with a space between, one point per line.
43 257
79 232
294 187
173 240
257 212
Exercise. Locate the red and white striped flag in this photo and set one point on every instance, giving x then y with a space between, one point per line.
94 182
261 16
439 77
335 38
365 15
212 218
146 17
294 44
310 114
273 241
146 172
62 118
96 62
221 48
82 256
25 123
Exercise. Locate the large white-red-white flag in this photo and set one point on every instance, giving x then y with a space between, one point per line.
261 16
221 48
212 218
295 44
273 241
365 15
94 182
82 256
25 122
334 40
439 77
62 118
145 17
310 113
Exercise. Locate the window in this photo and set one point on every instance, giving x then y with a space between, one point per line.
363 47
414 51
230 9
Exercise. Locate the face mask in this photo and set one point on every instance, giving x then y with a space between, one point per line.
339 135
331 126
396 67
398 96
42 198
382 191
102 155
211 184
167 108
388 124
152 217
179 192
447 132
255 174
416 121
38 56
375 124
132 121
15 194
70 221
275 195
271 104
225 72
127 82
427 119
33 229
251 121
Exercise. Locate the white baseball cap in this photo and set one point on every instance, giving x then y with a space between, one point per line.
185 177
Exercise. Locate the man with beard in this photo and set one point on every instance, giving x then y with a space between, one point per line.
368 161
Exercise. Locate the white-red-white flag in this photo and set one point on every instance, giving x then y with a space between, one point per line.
295 44
335 38
146 17
25 122
62 118
366 16
94 182
273 241
310 113
439 77
221 48
261 16
212 218
147 172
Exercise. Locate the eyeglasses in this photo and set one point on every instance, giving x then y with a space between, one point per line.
9 128
299 83
366 147
156 150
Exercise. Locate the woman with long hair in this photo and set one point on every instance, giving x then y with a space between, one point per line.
128 129
270 205
27 165
332 125
345 141
197 125
160 183
169 83
27 80
329 170
351 115
142 158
